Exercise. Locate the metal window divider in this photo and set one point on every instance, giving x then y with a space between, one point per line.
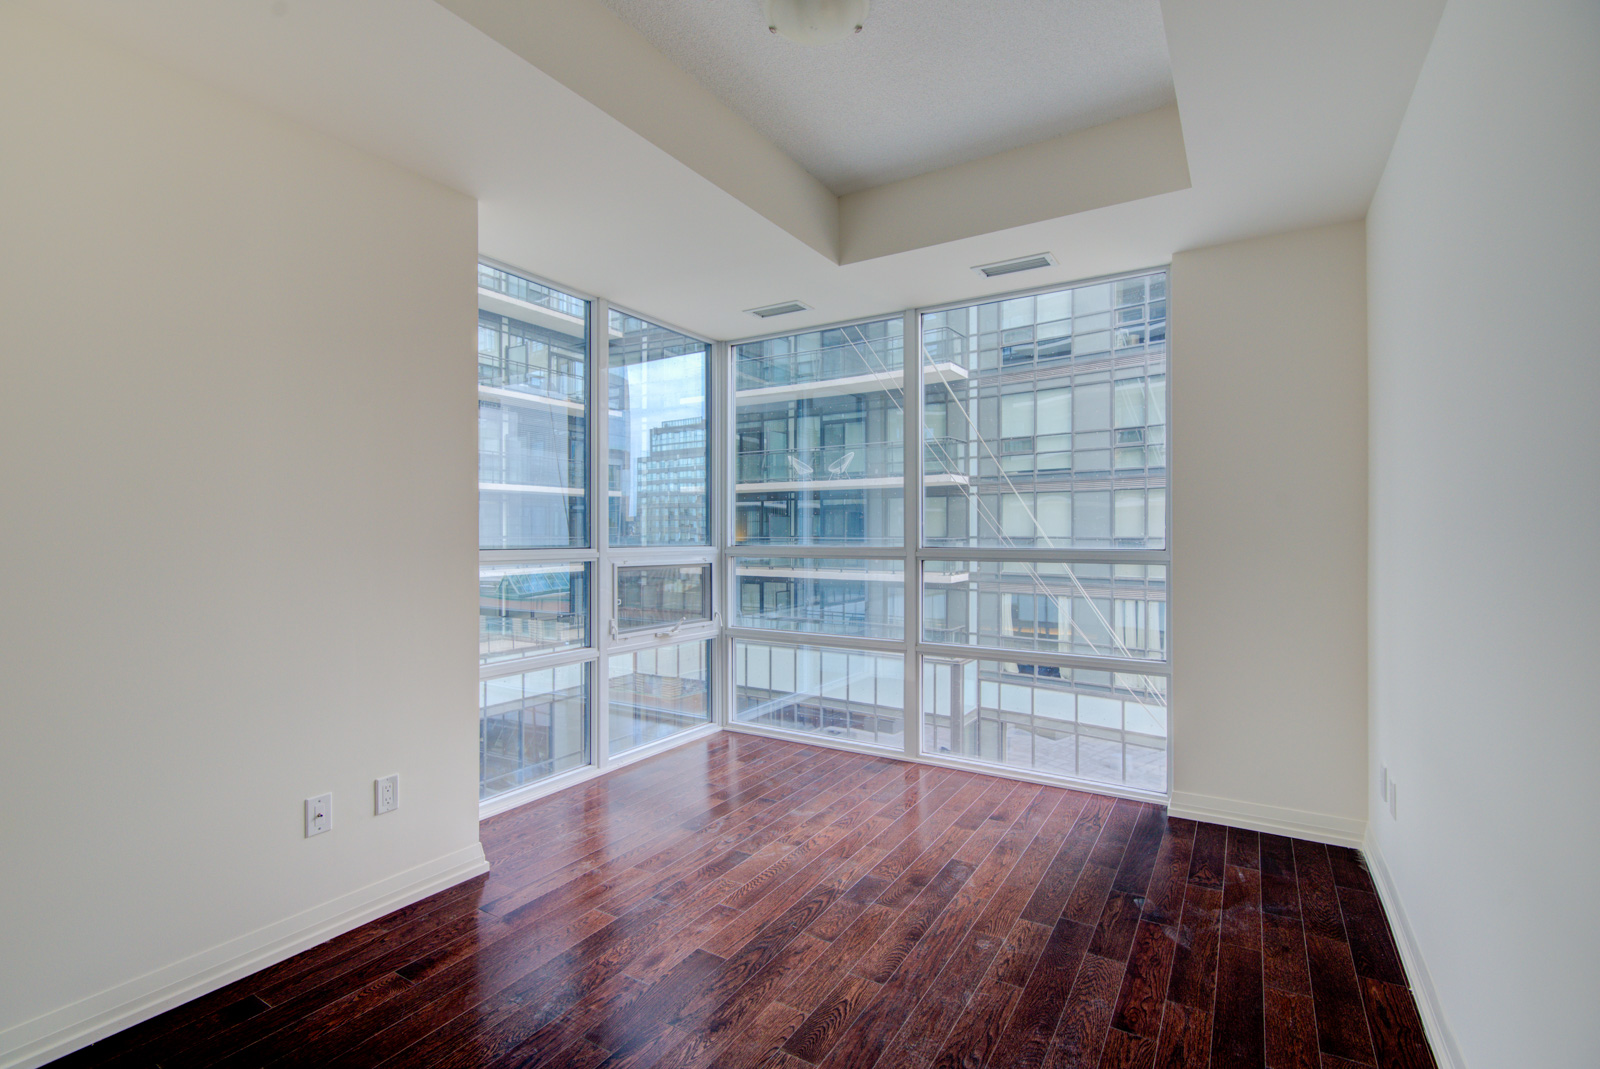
601 595
911 508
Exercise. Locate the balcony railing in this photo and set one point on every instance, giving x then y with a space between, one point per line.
818 365
869 460
563 381
865 461
531 292
528 471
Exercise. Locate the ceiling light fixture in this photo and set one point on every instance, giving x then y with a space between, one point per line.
816 22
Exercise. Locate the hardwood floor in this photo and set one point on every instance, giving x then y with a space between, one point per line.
751 902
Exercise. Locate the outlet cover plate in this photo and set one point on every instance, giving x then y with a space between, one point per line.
319 814
386 793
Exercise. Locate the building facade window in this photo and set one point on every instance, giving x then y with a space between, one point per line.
1017 616
585 657
956 553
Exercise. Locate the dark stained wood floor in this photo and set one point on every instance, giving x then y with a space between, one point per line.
750 902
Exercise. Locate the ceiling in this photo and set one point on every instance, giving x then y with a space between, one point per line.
926 84
601 164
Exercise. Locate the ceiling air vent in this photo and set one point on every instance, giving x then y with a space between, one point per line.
778 309
1011 267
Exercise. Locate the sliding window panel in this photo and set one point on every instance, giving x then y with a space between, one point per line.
532 726
662 595
532 422
851 695
659 459
1044 419
851 597
820 433
1086 609
657 693
1102 727
531 608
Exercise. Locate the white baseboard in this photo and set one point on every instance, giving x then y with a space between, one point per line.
1445 1050
1277 820
59 1032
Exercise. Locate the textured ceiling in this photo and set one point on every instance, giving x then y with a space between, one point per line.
927 84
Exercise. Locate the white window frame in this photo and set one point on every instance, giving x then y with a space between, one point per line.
914 553
603 560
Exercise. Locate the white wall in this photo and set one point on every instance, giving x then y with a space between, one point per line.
1269 529
237 536
1484 275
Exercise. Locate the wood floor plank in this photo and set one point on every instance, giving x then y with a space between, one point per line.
1244 848
1139 859
989 903
764 1039
819 1031
1396 1026
811 908
1319 901
1020 952
1144 982
1241 907
1085 1020
1350 869
1169 877
1291 1031
1336 996
977 1030
1123 1050
1370 942
1209 855
1062 874
1185 1041
1033 1022
1194 963
1238 1026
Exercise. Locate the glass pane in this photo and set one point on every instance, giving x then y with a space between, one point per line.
1039 412
818 690
821 596
1096 610
1100 726
659 457
528 608
657 693
532 726
533 344
662 595
821 438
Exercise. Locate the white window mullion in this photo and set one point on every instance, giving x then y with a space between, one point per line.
911 362
603 611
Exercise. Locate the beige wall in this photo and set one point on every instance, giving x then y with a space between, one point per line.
1269 525
1484 274
237 541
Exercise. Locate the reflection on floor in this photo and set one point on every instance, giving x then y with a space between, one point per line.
745 901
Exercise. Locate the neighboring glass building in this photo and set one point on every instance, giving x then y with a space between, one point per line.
1023 624
558 694
1043 427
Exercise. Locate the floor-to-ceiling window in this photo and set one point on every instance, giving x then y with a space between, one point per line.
818 565
940 534
596 625
1003 579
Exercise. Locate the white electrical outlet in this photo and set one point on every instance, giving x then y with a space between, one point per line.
387 794
1383 782
319 814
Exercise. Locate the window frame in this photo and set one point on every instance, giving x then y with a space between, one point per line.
603 559
915 551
